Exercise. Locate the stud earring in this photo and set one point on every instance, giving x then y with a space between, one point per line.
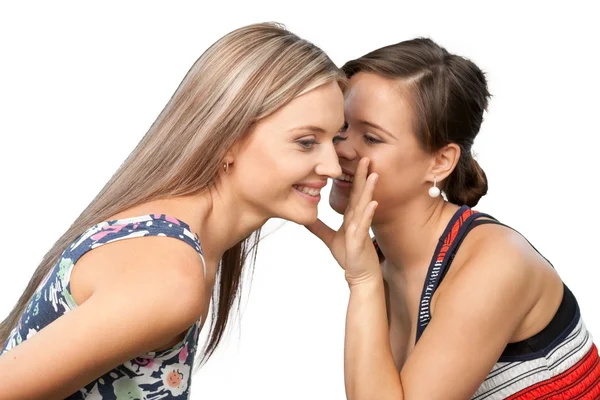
434 191
226 167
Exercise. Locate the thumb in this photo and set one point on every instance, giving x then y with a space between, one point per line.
322 231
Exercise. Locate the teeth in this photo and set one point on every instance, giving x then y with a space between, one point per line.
347 178
308 191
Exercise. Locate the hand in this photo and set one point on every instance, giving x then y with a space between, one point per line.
351 244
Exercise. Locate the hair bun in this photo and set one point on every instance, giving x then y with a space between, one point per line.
468 183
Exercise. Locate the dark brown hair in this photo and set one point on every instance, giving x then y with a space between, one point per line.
448 95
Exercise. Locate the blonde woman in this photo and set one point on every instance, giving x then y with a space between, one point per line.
248 135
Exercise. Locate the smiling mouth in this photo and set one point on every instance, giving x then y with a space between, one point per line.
344 181
314 192
346 178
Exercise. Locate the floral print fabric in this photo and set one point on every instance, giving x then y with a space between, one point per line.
155 375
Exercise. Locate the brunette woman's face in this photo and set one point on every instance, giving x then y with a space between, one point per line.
379 125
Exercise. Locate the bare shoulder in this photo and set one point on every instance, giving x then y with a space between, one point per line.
145 292
164 270
498 249
499 260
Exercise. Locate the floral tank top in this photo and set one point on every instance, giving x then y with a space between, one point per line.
156 375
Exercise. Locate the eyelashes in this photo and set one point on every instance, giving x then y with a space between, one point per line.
371 140
368 139
307 144
339 138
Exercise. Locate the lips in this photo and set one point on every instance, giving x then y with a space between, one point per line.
345 180
311 191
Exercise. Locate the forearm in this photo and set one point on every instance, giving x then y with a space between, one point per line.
370 372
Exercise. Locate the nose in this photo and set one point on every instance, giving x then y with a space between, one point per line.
329 164
345 149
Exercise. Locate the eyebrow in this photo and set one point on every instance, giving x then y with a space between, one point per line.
313 128
310 128
374 125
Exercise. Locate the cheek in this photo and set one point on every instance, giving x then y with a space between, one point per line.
400 175
255 166
266 176
254 172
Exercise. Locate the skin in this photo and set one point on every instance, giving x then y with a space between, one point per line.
264 170
498 290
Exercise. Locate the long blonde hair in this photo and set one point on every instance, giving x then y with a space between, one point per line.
243 77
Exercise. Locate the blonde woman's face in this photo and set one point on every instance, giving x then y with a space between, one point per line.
284 162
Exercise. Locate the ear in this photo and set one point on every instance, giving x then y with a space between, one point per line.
230 156
228 159
444 161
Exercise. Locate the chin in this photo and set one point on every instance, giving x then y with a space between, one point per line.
338 202
300 209
304 218
300 215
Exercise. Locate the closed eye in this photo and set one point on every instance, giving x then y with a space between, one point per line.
371 140
339 138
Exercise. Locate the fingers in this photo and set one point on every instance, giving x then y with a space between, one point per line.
358 228
361 216
355 213
366 196
359 181
322 231
364 225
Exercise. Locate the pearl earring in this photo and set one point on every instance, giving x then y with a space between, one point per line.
226 167
434 191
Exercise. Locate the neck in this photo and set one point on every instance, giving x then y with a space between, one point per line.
409 234
221 222
218 217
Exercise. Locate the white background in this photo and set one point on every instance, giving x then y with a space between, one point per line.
80 84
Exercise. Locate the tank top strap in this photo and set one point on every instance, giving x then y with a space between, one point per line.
492 220
443 255
121 229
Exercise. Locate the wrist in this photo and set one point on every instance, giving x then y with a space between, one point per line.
366 281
